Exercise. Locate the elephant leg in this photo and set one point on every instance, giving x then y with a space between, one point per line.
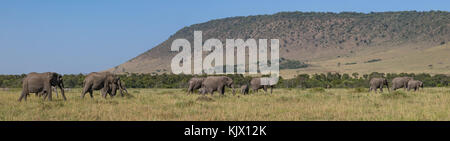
189 90
211 91
49 97
85 90
381 89
56 92
44 94
405 86
91 93
62 93
110 95
222 90
103 91
23 95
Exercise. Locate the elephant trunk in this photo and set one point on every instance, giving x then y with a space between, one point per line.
114 89
61 86
122 89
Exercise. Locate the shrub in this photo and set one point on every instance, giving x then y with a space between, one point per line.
352 63
292 64
373 60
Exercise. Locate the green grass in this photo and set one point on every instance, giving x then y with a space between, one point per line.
282 105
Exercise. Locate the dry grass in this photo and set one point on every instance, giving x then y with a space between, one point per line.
284 104
396 60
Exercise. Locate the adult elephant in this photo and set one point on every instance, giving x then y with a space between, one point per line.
195 83
415 84
255 84
378 83
400 82
106 82
41 83
218 83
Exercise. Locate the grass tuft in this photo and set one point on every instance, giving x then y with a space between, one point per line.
317 90
395 95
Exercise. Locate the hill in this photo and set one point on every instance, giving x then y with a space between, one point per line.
327 42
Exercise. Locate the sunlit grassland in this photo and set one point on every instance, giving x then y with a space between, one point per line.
404 59
282 105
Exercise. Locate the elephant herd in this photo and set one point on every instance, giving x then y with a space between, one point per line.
42 83
108 83
397 83
211 84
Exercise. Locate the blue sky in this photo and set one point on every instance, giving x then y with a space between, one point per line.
92 35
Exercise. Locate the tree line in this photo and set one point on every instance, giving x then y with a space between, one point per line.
325 80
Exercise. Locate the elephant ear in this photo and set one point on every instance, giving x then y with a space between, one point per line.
50 76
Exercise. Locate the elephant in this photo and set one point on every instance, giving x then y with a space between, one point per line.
415 84
53 88
202 91
121 87
217 83
244 89
255 83
107 82
195 83
376 83
42 83
400 82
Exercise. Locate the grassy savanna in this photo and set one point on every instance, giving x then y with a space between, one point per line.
283 104
407 59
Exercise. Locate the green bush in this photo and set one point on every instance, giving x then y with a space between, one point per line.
373 60
292 64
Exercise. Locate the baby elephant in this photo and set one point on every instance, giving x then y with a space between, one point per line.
244 89
414 84
202 90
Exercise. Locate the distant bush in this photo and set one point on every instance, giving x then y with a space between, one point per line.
292 64
373 60
324 80
350 63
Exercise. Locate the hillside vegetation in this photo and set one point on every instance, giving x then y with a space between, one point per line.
321 39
